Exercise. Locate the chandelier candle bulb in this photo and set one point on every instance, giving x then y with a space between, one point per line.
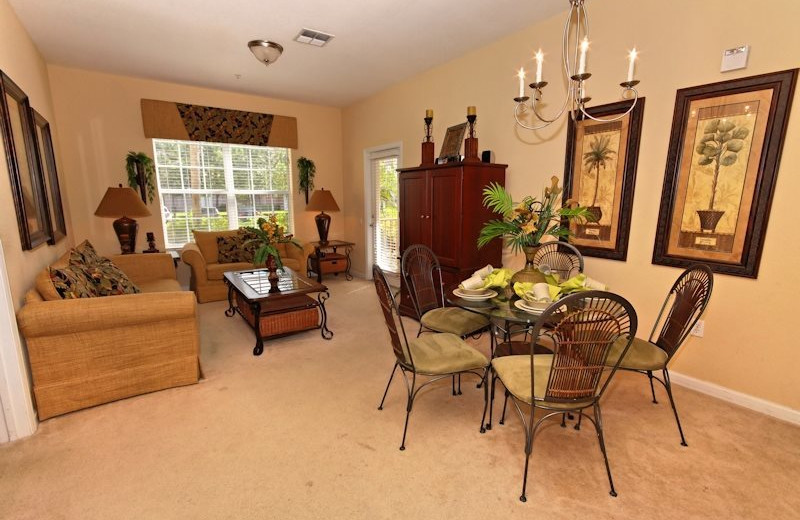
539 60
521 76
631 64
582 62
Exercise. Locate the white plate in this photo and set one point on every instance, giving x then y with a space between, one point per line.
522 305
473 297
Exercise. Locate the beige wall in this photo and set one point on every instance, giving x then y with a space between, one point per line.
749 345
21 61
100 120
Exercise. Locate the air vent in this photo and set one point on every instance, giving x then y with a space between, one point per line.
312 37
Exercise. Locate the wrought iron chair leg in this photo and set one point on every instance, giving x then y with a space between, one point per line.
652 390
528 451
459 384
453 377
380 407
408 410
668 386
485 398
563 420
598 425
505 402
578 424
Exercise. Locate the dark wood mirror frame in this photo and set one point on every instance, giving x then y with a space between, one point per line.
27 186
47 160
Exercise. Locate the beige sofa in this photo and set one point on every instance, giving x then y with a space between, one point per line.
88 351
202 258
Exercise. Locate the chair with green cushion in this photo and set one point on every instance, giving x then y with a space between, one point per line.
582 328
436 355
422 275
689 297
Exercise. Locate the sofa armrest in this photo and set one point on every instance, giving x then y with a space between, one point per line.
308 250
298 253
191 256
146 267
60 317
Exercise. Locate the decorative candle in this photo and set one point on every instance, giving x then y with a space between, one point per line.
470 111
429 113
582 62
521 76
631 63
539 60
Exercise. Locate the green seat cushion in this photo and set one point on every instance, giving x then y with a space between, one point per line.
515 373
444 353
642 355
454 320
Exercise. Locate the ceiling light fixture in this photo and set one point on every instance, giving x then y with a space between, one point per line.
575 46
265 51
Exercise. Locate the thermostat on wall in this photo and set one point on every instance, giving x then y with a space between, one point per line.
735 58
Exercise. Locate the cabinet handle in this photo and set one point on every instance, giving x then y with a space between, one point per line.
422 216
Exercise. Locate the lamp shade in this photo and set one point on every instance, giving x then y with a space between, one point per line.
322 200
265 51
121 202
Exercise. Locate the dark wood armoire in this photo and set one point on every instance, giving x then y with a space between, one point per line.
441 206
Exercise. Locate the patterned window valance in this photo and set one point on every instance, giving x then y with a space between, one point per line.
170 120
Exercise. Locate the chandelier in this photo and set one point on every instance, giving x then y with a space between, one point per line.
575 46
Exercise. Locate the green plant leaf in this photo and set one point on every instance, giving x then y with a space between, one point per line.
497 199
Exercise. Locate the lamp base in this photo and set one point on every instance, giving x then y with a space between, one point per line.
126 229
323 224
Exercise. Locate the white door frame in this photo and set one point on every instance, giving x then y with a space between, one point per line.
17 417
368 202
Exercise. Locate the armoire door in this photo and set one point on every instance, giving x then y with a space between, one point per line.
415 227
445 215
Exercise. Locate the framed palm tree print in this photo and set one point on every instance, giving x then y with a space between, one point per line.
723 158
600 173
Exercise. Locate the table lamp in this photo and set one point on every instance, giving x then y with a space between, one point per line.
123 203
322 201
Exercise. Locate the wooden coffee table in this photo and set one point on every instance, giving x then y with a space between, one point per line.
290 310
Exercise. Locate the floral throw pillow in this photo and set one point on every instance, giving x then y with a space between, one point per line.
236 248
85 254
109 280
73 282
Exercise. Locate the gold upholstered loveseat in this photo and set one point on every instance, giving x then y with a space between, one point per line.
203 258
88 351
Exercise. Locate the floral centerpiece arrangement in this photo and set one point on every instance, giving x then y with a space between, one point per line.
267 235
523 225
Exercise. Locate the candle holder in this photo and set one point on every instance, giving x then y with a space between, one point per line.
471 142
427 144
428 121
471 120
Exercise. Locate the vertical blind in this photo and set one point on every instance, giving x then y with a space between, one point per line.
385 224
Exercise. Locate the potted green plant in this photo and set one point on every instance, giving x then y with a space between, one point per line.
306 170
141 174
267 234
523 225
720 145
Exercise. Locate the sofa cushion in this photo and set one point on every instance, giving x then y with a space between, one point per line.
72 281
207 243
110 280
163 285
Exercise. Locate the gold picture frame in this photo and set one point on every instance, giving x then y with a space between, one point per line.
451 146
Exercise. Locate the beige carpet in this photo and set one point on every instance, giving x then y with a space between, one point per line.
295 433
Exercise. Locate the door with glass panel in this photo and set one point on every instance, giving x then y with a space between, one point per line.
384 220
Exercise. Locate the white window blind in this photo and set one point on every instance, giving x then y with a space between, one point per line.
215 186
385 224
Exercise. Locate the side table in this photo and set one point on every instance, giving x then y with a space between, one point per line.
331 257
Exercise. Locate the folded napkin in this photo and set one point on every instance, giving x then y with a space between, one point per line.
497 278
473 282
525 291
582 282
484 271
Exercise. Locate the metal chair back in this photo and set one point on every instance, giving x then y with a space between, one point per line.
584 327
689 297
422 275
561 257
392 318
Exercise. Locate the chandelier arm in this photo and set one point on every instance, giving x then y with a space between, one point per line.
560 112
612 119
525 125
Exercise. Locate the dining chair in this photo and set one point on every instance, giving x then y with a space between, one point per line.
561 257
582 329
422 275
437 355
683 306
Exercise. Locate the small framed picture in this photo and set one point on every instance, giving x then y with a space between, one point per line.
451 147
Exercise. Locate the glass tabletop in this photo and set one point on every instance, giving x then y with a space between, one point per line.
498 308
254 283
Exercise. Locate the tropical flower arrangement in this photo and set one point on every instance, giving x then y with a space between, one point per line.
268 234
524 224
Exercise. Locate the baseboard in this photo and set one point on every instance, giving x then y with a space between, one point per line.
778 411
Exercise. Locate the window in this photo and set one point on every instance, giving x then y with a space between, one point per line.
214 186
385 223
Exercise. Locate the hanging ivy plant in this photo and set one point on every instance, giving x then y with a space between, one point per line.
141 174
307 169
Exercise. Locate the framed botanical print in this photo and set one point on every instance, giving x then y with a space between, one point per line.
600 173
724 152
47 160
27 187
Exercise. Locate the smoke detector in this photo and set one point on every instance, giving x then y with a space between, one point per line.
313 37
